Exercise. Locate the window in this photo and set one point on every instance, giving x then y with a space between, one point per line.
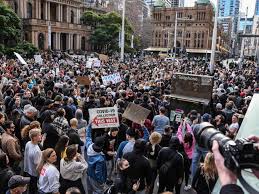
29 10
41 41
72 16
167 17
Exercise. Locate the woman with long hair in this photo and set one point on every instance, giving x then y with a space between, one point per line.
206 176
60 148
49 174
72 169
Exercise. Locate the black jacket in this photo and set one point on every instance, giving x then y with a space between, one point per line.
176 169
231 188
139 169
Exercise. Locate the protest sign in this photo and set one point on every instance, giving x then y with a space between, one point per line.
104 117
97 63
83 80
136 113
113 78
104 58
88 64
20 58
176 115
38 59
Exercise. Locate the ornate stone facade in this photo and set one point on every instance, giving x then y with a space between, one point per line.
66 32
194 27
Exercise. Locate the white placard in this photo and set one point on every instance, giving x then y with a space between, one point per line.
20 58
38 59
104 117
114 78
88 64
97 63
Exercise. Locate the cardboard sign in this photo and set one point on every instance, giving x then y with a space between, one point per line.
136 113
83 80
176 115
38 59
104 117
20 58
104 58
113 78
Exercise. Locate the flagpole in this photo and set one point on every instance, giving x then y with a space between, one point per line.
214 40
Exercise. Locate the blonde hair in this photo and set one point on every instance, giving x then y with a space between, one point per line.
209 169
25 130
73 122
34 132
44 158
155 138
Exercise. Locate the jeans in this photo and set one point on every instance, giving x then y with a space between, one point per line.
94 187
110 167
33 189
198 152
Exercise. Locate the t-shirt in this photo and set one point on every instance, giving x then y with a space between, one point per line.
159 123
32 156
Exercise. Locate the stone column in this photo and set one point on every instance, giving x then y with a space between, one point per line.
68 14
61 13
33 37
79 41
46 40
36 39
57 40
48 10
68 42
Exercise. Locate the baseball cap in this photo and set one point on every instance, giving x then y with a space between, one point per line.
17 181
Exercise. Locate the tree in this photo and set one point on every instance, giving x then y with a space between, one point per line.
105 36
10 33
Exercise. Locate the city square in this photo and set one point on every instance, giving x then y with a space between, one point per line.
129 96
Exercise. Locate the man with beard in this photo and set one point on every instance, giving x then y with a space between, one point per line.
11 146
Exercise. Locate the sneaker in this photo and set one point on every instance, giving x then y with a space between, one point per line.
186 188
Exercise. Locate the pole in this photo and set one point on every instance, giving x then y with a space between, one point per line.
214 40
168 42
175 31
123 31
243 43
49 35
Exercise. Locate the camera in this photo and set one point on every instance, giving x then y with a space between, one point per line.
238 154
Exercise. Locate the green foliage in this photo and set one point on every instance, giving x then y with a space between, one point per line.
105 35
10 34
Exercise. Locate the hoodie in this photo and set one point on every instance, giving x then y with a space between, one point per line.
81 122
96 160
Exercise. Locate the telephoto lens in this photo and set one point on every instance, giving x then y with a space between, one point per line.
205 133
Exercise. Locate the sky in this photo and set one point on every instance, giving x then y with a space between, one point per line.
244 3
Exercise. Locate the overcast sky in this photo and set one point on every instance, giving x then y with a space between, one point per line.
244 3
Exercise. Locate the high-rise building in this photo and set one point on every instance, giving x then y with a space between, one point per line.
230 8
177 3
257 7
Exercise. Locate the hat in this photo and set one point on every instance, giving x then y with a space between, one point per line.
206 117
17 180
48 102
219 106
58 98
99 143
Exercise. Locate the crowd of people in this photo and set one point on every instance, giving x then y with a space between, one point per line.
48 144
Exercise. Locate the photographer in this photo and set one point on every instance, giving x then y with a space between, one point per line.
227 178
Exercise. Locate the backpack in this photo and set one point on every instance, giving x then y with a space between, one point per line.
163 170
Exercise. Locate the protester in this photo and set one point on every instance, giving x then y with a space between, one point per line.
18 184
32 156
160 121
49 174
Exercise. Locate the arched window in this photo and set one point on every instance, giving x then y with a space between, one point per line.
72 16
41 41
29 10
26 37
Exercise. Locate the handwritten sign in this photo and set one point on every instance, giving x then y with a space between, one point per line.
113 78
136 113
104 117
38 59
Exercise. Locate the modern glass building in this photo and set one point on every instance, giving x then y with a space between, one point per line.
230 8
257 7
